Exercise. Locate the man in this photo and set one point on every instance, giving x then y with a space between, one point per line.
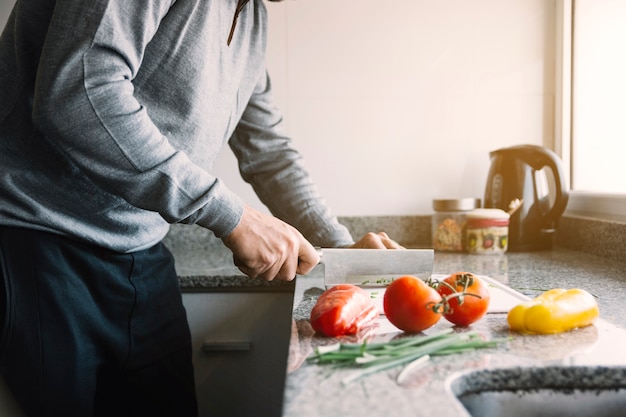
111 115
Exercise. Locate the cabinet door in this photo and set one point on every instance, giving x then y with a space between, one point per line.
240 351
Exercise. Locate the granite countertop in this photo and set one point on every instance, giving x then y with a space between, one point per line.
313 390
204 264
589 255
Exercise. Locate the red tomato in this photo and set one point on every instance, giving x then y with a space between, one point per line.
409 303
466 309
343 309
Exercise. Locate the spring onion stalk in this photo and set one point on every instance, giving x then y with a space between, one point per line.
417 363
369 358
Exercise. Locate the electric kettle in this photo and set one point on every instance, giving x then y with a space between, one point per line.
517 183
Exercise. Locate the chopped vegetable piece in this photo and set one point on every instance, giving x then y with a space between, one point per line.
417 363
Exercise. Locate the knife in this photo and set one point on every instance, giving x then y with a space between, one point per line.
374 267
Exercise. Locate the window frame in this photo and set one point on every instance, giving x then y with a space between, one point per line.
599 205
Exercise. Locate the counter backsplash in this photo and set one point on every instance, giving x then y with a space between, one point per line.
605 238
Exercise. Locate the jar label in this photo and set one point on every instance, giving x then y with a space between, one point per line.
487 240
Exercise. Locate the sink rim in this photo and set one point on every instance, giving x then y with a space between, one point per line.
562 378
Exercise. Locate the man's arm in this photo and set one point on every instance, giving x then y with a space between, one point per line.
85 106
268 161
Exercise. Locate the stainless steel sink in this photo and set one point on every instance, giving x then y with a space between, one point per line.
568 391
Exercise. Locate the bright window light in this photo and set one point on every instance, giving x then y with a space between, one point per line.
599 96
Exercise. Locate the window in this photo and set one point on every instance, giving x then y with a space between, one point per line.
592 128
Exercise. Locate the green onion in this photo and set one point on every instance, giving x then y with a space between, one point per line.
369 358
417 363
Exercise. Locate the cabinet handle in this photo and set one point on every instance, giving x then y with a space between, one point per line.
225 346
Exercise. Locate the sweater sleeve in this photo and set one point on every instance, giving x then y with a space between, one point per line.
84 105
275 170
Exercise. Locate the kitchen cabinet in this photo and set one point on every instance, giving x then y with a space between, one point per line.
240 342
240 339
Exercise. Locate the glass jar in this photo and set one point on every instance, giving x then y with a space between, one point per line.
448 223
487 231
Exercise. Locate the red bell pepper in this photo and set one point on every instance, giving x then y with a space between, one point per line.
344 309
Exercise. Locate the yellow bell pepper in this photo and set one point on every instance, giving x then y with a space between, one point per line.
555 311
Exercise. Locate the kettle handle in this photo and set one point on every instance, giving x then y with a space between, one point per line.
539 157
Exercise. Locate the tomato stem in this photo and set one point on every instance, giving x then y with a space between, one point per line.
443 307
464 280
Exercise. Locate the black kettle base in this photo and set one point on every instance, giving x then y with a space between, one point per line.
538 243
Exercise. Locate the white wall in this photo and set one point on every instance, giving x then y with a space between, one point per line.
395 103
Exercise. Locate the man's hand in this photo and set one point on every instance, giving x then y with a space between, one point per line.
268 248
378 240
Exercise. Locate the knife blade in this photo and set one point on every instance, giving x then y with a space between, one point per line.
374 267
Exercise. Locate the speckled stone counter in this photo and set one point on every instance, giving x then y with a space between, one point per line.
203 263
596 264
316 391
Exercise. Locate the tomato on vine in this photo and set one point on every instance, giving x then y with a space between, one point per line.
465 298
411 304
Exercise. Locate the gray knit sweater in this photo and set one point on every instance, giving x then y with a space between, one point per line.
113 111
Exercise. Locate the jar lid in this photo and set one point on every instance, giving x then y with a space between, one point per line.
488 213
459 204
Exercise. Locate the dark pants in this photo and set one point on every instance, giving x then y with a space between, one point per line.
90 332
